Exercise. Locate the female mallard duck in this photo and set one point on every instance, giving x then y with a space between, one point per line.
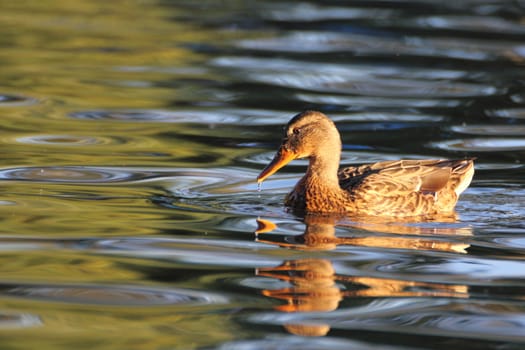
391 188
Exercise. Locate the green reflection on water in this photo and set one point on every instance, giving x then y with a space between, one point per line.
117 327
70 57
78 52
84 56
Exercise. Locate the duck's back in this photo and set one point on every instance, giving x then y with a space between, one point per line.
407 187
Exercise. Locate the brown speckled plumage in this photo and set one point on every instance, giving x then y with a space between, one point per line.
391 188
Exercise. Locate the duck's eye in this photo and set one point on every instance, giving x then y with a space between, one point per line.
296 131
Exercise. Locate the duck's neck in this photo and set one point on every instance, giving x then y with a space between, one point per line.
319 190
322 170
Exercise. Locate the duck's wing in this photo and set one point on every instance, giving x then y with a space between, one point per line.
427 175
410 184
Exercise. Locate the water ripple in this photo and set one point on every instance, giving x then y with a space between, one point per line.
18 320
230 191
490 130
440 317
291 342
200 190
16 100
65 140
381 81
152 116
75 174
499 272
249 117
324 82
514 243
195 251
216 116
472 23
307 12
112 295
511 113
368 116
481 144
364 101
367 45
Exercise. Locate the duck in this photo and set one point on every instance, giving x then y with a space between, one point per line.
398 188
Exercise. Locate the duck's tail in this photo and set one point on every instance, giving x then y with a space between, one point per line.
462 173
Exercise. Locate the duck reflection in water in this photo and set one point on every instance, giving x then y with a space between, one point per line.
320 233
314 285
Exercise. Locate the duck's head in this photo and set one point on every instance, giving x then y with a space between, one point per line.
309 134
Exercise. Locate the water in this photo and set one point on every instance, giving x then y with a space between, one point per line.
132 133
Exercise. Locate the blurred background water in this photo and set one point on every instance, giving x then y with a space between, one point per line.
132 133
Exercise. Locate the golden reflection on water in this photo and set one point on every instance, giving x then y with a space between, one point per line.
320 234
314 285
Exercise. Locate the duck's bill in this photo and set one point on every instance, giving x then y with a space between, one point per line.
281 158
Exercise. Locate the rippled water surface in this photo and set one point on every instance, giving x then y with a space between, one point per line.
132 133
